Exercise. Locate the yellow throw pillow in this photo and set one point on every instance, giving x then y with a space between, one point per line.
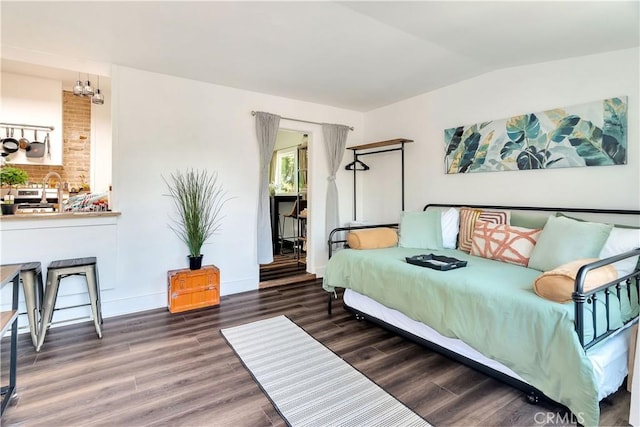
373 238
558 284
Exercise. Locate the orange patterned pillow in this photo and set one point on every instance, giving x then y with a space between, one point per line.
504 242
468 218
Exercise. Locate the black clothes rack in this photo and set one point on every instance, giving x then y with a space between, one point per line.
357 165
380 144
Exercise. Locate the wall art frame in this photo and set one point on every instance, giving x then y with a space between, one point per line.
590 134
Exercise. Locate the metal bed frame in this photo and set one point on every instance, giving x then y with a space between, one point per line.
579 296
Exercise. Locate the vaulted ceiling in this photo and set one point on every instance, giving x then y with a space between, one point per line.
356 55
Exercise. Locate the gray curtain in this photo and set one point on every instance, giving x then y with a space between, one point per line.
335 138
266 130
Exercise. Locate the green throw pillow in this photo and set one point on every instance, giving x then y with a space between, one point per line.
621 239
560 214
527 220
421 230
564 240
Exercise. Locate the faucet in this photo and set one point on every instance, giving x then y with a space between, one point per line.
44 189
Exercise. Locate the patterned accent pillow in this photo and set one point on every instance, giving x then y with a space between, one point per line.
468 218
502 242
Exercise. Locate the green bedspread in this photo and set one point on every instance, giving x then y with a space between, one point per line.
490 306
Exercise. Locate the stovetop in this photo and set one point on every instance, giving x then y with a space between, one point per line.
34 207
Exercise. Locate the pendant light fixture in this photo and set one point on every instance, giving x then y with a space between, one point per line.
77 89
98 97
87 90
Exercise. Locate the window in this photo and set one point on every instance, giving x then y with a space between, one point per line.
286 168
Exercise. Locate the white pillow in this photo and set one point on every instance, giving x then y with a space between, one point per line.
450 222
619 241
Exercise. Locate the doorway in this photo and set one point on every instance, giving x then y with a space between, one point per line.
289 197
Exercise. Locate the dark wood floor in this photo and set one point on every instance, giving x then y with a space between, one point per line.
155 368
283 266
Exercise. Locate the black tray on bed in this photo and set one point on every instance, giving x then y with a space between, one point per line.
437 262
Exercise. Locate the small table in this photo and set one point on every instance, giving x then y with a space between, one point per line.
9 319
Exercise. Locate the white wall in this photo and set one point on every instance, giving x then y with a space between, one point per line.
499 95
287 139
34 101
177 124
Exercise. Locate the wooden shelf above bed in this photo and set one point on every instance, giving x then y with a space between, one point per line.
380 144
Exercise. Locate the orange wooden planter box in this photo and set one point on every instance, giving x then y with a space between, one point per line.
191 289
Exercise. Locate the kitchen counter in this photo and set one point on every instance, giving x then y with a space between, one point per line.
56 215
40 220
46 237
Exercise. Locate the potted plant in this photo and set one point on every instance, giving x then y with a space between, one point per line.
11 176
198 199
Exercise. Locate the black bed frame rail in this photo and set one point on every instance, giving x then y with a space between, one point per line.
331 242
535 208
591 298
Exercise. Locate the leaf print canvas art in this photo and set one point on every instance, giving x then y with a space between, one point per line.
591 134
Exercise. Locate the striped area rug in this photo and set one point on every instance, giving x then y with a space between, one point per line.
308 384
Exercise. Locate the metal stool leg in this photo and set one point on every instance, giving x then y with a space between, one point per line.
282 225
50 296
29 287
94 295
39 292
294 236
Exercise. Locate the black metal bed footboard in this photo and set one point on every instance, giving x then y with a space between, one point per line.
335 239
590 298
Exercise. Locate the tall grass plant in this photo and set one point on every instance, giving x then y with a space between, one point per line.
198 198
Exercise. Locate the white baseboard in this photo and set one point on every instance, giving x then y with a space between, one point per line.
122 306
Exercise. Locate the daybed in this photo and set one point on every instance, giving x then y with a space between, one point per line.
488 314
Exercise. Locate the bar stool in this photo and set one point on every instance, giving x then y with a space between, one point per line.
57 271
31 278
299 223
